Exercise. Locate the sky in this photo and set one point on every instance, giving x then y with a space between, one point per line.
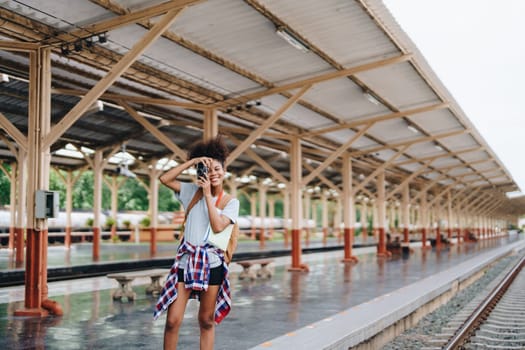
477 49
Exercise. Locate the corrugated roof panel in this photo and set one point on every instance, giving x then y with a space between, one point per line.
256 47
487 166
343 99
437 121
400 85
423 149
134 5
460 171
445 162
500 180
183 63
456 143
342 136
474 156
393 131
341 29
361 143
71 12
412 167
296 115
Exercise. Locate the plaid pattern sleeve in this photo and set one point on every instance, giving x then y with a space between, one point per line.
196 278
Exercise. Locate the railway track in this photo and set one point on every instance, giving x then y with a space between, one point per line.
493 320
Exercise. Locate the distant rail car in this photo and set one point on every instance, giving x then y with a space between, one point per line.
81 232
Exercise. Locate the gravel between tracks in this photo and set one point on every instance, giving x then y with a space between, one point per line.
429 326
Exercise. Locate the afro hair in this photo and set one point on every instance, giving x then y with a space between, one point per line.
214 148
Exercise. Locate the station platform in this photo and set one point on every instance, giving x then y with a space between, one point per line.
288 309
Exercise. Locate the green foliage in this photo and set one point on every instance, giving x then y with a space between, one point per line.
167 201
83 192
89 222
145 221
126 224
132 196
5 186
110 222
244 205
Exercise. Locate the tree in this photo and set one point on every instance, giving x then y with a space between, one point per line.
56 184
5 187
167 201
132 196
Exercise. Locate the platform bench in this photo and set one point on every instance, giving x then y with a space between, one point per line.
262 272
125 278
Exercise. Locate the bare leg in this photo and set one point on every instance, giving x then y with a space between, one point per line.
175 317
207 317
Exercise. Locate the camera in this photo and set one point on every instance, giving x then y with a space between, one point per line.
202 170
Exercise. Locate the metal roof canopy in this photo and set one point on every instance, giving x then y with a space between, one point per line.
367 78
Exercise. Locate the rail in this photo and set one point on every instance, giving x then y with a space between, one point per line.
477 317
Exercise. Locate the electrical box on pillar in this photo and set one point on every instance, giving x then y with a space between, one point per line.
46 204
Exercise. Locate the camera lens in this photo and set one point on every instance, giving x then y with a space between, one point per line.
202 170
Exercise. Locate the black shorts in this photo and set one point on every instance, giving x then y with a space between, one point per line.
216 275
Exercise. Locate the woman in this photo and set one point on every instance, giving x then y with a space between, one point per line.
200 270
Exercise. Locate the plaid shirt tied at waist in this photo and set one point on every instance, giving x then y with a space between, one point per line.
196 278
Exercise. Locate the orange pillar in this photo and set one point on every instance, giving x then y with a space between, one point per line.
19 245
33 280
262 189
295 199
349 235
424 237
38 160
364 222
21 207
381 217
96 243
438 236
153 241
406 235
406 212
67 238
381 244
12 206
348 211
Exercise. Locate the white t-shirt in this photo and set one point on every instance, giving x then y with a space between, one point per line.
198 219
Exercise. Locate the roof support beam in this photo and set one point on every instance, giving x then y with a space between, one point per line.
461 165
380 118
446 155
467 197
477 202
410 178
264 126
13 131
333 156
322 178
123 20
426 188
18 46
314 80
127 60
489 209
154 131
379 170
136 99
411 142
440 195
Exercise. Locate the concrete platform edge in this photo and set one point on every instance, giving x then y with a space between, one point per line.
359 323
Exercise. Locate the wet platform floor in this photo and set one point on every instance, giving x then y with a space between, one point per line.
262 309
